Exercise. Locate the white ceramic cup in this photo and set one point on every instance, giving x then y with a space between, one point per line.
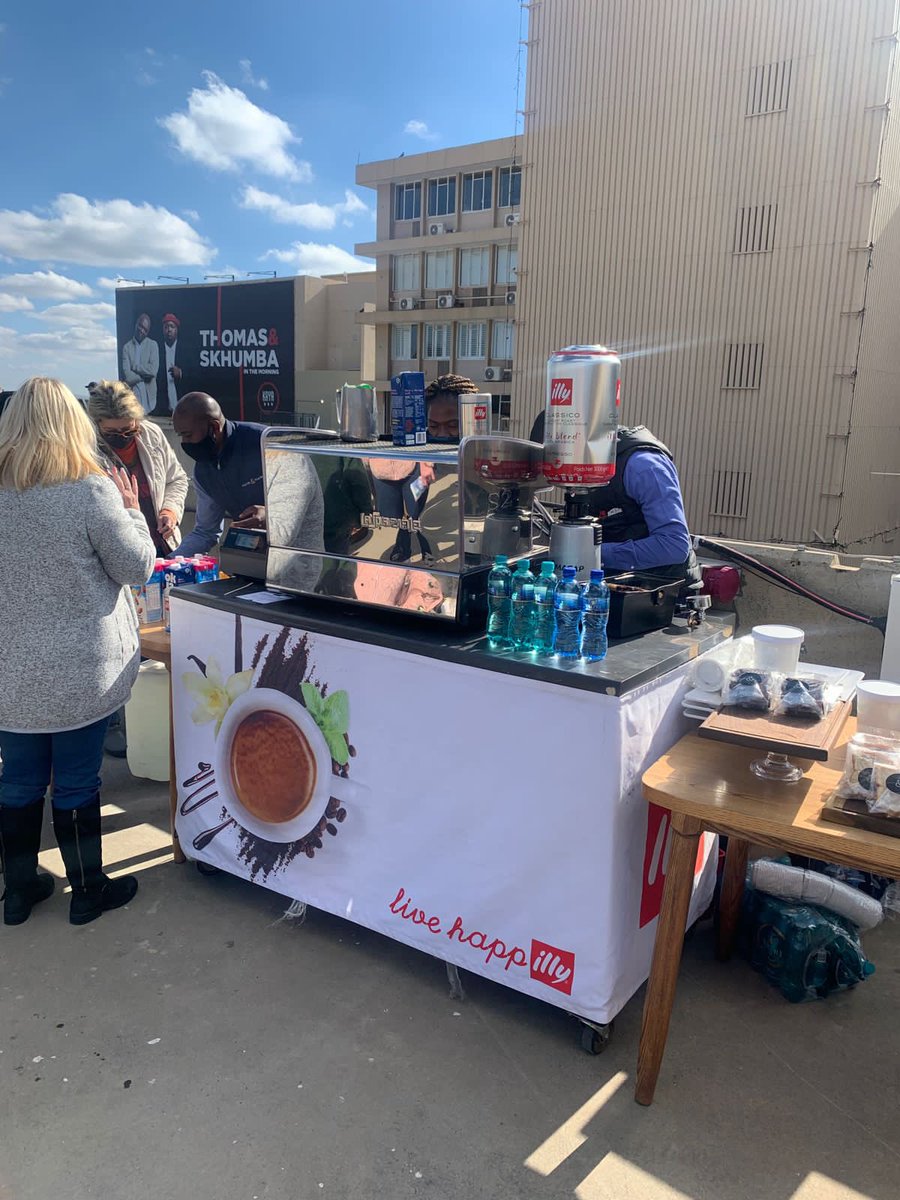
878 706
777 647
327 784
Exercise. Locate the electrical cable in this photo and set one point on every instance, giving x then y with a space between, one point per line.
791 585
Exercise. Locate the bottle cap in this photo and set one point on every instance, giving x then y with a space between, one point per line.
596 575
500 560
570 572
547 568
523 565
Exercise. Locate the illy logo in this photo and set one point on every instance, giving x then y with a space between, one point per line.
552 966
560 392
480 412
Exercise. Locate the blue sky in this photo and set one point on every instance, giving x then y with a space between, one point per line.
142 140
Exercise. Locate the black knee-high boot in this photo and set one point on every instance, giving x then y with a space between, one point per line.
20 841
93 893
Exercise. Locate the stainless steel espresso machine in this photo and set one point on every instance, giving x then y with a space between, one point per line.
408 529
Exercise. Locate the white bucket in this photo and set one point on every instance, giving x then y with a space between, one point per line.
147 723
878 706
777 647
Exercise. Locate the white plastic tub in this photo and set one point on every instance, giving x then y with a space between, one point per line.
147 723
777 647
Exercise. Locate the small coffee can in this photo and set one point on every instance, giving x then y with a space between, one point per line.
475 414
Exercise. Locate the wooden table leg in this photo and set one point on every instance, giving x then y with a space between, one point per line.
666 954
730 896
177 852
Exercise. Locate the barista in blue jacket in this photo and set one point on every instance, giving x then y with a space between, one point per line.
228 477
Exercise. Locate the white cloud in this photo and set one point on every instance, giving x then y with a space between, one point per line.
314 258
72 354
45 285
102 232
77 314
311 215
420 129
10 303
224 130
111 284
249 78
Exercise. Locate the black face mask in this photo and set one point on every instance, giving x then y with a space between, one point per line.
119 441
205 451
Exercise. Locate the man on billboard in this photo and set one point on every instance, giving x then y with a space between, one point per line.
140 363
170 374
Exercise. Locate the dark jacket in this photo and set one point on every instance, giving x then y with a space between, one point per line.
620 516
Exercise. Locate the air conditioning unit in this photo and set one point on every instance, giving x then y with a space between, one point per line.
406 303
491 374
446 301
510 297
436 228
512 219
507 374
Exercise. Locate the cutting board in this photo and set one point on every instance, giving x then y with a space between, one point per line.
854 812
780 735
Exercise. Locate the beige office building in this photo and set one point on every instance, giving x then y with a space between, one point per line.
446 253
713 189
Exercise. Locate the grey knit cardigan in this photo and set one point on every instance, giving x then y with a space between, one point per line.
69 647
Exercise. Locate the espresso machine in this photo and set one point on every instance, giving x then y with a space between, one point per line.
412 529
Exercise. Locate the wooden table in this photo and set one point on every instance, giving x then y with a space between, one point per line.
157 645
708 785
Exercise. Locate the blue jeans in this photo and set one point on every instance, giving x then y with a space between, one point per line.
73 758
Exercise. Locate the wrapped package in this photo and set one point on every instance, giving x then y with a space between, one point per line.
806 696
750 690
864 752
886 790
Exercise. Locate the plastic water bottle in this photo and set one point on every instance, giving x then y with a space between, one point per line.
594 615
499 601
521 621
544 608
567 603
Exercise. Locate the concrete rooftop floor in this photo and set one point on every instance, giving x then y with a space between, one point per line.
193 1047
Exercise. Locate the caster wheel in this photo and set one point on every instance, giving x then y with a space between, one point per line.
207 869
594 1040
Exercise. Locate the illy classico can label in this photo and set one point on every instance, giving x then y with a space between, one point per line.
474 414
581 418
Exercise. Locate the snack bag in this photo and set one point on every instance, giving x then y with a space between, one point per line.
864 751
886 789
750 690
804 696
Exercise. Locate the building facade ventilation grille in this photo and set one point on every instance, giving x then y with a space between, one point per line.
770 88
754 230
742 369
731 493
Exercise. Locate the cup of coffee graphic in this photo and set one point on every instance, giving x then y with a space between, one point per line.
273 767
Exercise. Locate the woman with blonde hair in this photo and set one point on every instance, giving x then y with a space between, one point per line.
142 448
72 537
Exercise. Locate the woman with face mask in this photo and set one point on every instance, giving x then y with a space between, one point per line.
127 440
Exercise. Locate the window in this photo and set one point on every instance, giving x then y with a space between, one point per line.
405 341
743 365
406 272
477 191
471 339
437 341
407 201
507 264
500 410
754 231
510 187
503 339
474 267
441 196
439 269
770 88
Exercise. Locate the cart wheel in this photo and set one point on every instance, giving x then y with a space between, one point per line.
206 868
595 1038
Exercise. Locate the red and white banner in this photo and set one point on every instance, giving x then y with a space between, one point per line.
492 821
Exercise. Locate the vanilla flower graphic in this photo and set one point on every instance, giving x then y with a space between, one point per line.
213 694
